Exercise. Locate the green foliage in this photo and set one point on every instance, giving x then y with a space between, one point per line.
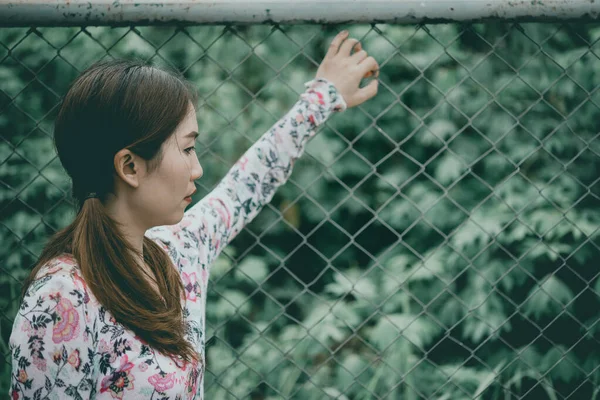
441 241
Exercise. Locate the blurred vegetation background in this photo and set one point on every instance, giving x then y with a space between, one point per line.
439 242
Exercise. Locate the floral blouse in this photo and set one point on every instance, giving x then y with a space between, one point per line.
64 344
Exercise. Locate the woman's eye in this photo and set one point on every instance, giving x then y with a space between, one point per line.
190 149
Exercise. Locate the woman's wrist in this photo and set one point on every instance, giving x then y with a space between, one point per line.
321 91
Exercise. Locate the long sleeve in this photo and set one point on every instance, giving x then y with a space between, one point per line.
252 181
50 341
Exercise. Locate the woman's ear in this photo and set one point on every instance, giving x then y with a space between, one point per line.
128 167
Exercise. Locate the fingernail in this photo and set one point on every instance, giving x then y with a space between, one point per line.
344 33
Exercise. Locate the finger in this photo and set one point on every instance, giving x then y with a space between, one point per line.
359 56
367 92
336 43
369 64
347 46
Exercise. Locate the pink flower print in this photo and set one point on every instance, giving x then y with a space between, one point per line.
74 359
122 346
313 96
54 268
190 282
79 281
22 377
243 161
66 258
179 362
40 332
39 363
320 96
54 296
143 367
119 380
221 210
192 382
36 345
103 346
299 118
57 356
277 137
67 322
82 286
26 327
162 383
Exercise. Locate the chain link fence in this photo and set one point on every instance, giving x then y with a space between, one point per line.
438 242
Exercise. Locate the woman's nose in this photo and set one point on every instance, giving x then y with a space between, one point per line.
197 171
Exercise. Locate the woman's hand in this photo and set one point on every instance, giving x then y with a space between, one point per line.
345 71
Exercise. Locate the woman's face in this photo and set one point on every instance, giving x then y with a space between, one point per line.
164 191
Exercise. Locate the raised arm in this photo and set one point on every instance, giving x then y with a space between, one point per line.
251 183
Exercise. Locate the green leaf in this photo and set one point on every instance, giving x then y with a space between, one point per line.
335 393
448 168
252 268
222 264
463 375
351 282
231 303
560 364
442 129
324 326
487 316
469 234
419 330
490 378
551 297
346 314
351 366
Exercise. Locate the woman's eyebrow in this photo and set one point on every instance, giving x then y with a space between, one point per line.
193 134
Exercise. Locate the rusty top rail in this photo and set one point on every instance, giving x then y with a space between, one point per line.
148 12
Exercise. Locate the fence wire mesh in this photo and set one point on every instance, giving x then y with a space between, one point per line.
438 242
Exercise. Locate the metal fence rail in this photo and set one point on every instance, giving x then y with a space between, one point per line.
144 12
439 242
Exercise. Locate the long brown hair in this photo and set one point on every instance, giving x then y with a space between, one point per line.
113 105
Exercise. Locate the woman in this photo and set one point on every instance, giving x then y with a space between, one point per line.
115 306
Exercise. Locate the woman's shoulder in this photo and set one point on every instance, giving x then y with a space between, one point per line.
63 264
61 275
